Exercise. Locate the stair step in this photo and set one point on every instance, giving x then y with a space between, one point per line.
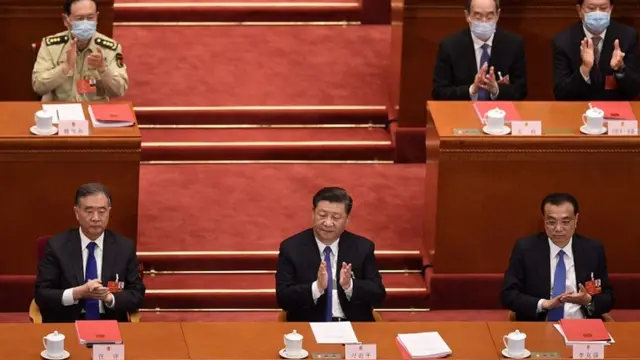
236 66
266 144
254 260
227 11
262 115
239 291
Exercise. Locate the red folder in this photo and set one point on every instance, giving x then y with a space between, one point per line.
482 107
584 330
98 332
113 112
615 110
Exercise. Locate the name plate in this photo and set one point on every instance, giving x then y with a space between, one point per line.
73 128
526 128
588 351
108 352
360 351
623 127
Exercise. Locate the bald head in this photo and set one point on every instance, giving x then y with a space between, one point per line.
482 10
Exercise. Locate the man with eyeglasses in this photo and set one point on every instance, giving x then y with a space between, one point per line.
89 273
482 62
596 58
557 274
79 64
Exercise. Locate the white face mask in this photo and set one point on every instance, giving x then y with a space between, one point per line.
483 30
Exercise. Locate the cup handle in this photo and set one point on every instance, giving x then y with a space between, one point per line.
584 119
284 340
504 341
44 342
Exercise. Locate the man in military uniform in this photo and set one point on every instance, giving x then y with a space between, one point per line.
79 64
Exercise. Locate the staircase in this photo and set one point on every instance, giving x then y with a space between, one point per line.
258 80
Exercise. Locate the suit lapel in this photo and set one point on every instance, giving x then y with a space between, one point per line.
108 258
74 245
344 251
496 52
545 263
470 54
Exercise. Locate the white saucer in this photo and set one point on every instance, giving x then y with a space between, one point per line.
585 130
526 354
303 354
65 354
34 130
504 131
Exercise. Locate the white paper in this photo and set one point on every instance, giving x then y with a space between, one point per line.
65 111
559 328
588 351
108 352
339 332
424 345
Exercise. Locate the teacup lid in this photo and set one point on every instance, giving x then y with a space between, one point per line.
44 113
595 111
294 336
55 336
517 335
496 111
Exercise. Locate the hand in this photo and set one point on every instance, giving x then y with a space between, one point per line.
479 81
504 80
587 55
490 83
617 59
99 293
580 298
72 55
553 303
96 61
83 291
323 278
345 276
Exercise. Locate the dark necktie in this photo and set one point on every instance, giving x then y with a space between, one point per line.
484 59
91 306
328 315
596 59
559 287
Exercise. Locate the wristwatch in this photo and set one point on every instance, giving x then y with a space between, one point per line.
590 308
619 74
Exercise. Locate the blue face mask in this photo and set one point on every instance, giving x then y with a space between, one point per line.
83 29
597 21
483 30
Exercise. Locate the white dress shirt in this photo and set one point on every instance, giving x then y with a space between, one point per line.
596 50
336 309
67 295
571 311
477 46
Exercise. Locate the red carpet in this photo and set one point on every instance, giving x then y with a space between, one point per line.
256 65
254 207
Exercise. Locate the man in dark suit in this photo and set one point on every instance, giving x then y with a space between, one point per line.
89 273
483 62
597 58
558 274
326 273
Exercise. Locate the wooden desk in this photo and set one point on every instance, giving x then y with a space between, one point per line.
142 341
489 188
542 337
467 340
39 176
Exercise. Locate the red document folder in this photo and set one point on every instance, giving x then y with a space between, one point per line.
482 107
615 110
584 330
113 112
98 332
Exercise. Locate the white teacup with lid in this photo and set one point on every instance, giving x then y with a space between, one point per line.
53 345
293 344
514 343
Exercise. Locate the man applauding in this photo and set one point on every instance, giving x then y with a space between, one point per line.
597 58
326 273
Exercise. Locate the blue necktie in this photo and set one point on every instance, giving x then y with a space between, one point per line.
559 287
91 306
328 313
484 59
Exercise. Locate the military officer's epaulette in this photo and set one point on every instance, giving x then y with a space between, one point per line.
56 40
106 43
